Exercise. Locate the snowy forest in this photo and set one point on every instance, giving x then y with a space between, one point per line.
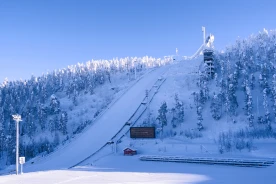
246 73
241 92
244 84
49 105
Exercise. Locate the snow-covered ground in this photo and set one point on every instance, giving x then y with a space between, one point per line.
129 170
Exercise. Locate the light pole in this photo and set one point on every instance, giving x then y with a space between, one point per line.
17 119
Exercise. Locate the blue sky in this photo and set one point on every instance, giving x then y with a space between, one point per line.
37 36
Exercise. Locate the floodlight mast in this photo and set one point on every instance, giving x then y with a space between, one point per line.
17 119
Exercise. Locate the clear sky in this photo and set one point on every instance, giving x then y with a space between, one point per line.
37 36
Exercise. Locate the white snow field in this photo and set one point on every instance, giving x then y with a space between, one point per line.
119 169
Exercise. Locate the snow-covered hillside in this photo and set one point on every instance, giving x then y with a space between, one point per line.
231 114
185 138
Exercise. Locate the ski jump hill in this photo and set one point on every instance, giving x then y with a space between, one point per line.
102 130
108 125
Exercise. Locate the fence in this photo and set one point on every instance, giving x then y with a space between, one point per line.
210 161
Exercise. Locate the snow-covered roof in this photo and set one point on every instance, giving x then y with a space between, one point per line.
130 149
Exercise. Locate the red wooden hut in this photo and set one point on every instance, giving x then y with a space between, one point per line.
130 152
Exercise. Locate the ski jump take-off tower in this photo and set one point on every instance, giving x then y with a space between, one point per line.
208 53
207 50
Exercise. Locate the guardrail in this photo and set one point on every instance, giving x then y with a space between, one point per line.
210 161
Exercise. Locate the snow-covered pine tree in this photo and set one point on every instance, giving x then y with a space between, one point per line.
238 69
179 106
90 84
162 117
252 81
2 135
202 97
249 106
199 118
198 104
1 98
205 90
75 101
69 89
234 79
266 109
50 125
63 122
43 95
54 105
263 78
41 115
261 82
178 112
216 79
174 118
232 102
274 96
216 106
56 122
267 86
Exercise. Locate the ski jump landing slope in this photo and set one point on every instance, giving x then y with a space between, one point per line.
101 131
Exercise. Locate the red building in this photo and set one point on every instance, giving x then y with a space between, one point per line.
130 152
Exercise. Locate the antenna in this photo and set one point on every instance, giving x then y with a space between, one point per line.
203 30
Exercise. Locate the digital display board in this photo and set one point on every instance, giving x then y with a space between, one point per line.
142 132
